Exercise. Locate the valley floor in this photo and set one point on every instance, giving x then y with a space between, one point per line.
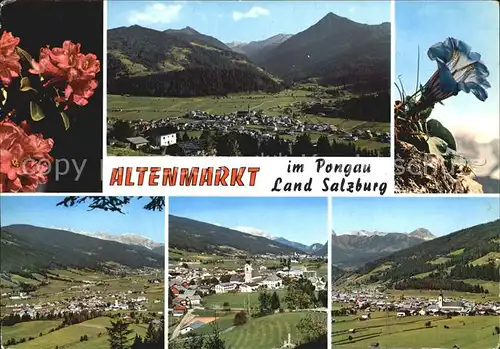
175 109
468 332
67 291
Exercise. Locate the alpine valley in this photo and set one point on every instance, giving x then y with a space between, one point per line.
327 85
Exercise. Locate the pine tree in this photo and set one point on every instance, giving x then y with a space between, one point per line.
118 334
275 301
214 341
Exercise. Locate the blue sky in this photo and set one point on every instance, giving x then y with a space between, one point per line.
441 215
303 220
423 24
241 21
42 211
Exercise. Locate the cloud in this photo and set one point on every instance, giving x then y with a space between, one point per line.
254 12
156 13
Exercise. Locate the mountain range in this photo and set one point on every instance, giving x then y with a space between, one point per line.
195 236
129 239
354 249
185 62
452 261
28 247
420 233
314 249
255 48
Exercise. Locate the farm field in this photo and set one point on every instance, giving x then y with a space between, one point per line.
468 332
69 337
29 329
175 108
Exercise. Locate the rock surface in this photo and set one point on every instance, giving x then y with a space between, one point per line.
422 173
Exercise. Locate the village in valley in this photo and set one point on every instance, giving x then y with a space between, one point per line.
201 92
415 289
95 291
197 132
241 296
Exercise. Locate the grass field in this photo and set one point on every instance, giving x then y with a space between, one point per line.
468 332
151 108
28 329
237 300
69 337
264 333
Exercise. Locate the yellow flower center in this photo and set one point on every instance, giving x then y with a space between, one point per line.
15 162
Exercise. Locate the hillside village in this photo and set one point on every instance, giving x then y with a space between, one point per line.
157 135
190 285
364 302
82 295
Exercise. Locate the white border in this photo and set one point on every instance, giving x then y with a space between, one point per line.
330 286
393 75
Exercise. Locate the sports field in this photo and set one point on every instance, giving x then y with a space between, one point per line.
238 300
468 332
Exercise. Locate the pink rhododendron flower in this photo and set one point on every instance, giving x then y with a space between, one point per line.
68 69
24 158
9 59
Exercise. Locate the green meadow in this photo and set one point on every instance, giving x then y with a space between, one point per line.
265 332
468 332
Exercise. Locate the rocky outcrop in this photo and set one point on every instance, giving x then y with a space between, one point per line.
418 172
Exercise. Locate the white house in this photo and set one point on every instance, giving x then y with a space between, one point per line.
225 287
272 282
250 287
168 139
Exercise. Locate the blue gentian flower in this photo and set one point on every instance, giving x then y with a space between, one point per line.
459 69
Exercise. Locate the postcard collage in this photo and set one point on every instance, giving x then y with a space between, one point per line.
249 174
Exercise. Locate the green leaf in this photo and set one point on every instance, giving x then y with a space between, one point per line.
437 146
424 114
36 111
26 85
436 129
65 120
25 55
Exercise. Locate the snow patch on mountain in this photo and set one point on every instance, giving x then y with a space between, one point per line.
254 231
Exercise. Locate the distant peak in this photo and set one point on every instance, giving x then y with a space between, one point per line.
422 233
188 30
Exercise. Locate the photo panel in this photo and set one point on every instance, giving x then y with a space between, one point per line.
415 272
228 78
247 273
51 96
82 272
447 110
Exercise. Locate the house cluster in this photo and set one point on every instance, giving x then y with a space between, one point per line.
370 301
190 285
99 301
154 134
